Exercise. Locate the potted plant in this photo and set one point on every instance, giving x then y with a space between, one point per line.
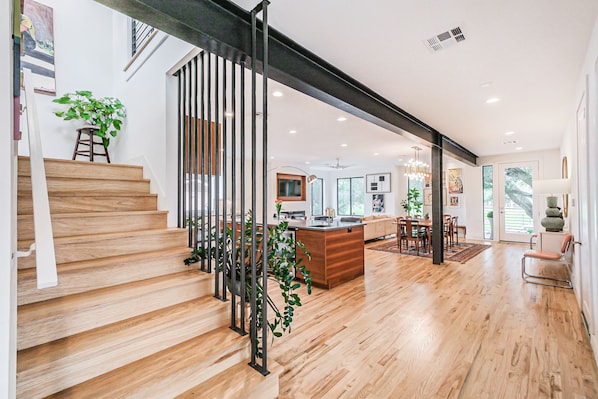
106 114
283 262
490 216
412 205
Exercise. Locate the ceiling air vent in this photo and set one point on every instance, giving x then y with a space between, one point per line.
445 39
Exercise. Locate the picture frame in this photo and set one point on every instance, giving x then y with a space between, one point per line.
455 182
454 201
378 203
377 183
427 197
37 46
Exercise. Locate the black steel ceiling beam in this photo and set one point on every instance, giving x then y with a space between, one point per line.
223 28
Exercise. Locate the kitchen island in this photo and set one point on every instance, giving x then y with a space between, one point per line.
336 248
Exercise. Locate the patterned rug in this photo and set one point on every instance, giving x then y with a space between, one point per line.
457 253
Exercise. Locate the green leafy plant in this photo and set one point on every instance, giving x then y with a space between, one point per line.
282 264
490 215
106 113
412 205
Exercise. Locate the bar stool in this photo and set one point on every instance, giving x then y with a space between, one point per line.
89 144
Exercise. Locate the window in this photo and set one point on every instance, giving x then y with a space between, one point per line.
140 33
350 196
488 205
317 197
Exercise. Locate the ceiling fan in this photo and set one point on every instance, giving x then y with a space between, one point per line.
338 165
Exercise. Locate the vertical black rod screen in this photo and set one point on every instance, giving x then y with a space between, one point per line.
213 156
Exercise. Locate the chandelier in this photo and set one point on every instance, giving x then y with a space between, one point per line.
416 169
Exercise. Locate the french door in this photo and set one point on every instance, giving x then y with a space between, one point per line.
515 200
582 253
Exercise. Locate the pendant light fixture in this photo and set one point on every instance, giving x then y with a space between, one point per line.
416 169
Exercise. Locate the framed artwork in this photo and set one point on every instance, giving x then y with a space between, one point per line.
455 183
427 197
428 181
454 201
378 203
379 183
37 45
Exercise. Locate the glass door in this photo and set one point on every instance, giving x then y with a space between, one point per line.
515 201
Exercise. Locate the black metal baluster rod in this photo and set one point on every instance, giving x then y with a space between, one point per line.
224 174
242 293
180 169
187 160
193 148
233 174
219 227
264 277
202 133
209 150
253 324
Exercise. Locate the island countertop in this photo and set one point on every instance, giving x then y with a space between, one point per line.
321 225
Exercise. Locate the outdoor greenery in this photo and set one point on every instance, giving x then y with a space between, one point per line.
106 113
351 196
412 205
283 262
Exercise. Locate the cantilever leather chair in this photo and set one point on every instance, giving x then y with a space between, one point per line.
557 257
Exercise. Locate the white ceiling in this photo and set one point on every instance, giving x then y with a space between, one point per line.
528 53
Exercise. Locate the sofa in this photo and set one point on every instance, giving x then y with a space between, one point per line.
378 226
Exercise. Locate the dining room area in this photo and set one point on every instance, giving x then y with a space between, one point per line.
415 235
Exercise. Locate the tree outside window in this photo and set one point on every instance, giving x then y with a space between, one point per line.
317 197
350 196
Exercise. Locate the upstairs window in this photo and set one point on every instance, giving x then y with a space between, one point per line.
140 34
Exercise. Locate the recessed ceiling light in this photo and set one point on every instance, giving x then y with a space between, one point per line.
519 148
492 100
376 154
271 156
341 119
485 85
292 131
307 162
344 145
277 94
509 133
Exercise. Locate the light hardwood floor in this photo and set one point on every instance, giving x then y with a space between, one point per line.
411 329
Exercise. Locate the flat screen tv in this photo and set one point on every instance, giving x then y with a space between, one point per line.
290 187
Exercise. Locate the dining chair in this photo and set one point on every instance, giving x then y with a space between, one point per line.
447 231
412 234
455 228
561 257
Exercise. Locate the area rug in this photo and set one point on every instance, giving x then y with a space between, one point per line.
457 253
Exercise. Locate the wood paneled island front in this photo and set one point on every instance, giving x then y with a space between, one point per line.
337 250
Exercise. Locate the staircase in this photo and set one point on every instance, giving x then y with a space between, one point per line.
127 319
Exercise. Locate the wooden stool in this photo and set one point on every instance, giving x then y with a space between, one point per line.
91 143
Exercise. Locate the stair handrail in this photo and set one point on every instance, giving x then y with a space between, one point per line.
44 238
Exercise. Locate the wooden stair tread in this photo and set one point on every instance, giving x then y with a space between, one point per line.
76 215
42 322
52 367
170 372
87 275
93 194
101 237
66 168
239 381
73 224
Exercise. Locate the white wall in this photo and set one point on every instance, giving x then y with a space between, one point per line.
148 136
83 61
8 234
588 84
